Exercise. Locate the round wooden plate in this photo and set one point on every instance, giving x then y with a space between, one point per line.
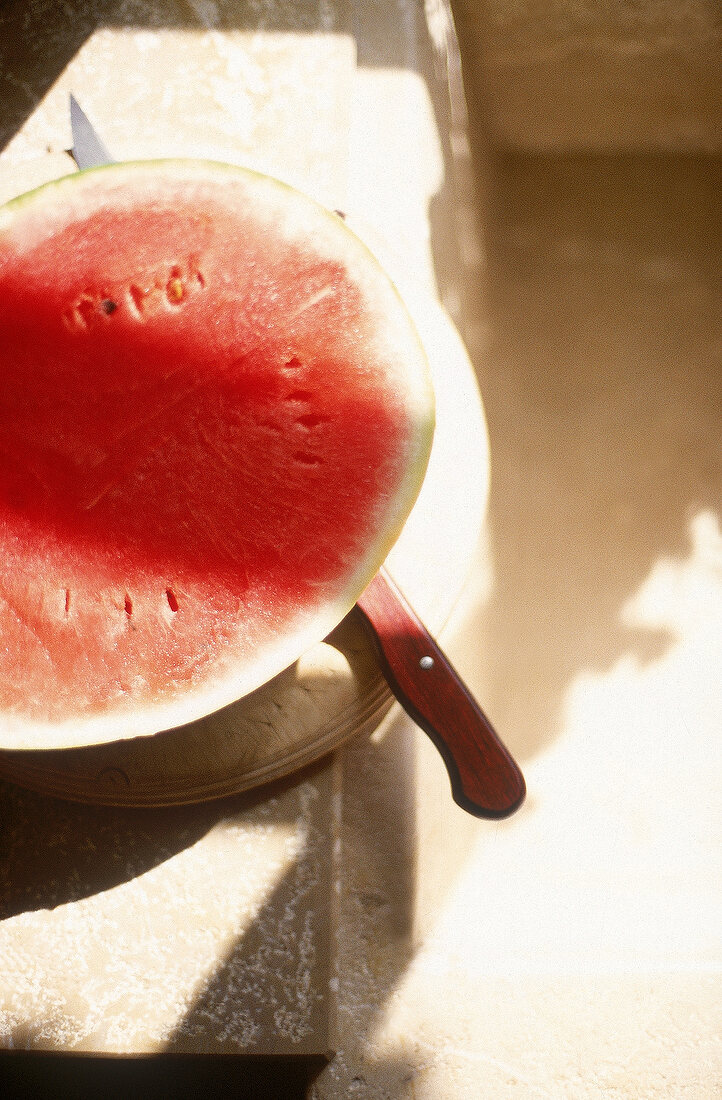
335 690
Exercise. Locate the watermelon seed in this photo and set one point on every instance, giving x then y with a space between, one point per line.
199 278
67 602
299 395
294 363
311 420
108 306
137 297
84 311
128 605
174 289
308 459
172 601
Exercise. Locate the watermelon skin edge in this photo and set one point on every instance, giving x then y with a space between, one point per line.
239 677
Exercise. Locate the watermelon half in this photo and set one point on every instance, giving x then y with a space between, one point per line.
215 416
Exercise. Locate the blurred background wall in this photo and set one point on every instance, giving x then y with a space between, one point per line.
555 76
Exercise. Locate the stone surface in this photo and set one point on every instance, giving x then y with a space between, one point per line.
195 929
211 78
566 76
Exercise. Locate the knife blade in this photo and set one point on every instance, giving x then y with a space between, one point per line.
88 150
485 779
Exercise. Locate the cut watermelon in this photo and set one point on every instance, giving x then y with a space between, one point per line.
215 416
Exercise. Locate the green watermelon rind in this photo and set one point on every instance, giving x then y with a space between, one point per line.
243 677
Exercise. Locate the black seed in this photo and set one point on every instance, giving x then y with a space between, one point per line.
108 306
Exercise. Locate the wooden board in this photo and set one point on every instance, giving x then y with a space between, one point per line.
334 691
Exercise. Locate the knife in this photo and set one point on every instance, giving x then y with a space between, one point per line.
88 150
485 779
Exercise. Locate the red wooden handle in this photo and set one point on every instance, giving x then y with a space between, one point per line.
485 780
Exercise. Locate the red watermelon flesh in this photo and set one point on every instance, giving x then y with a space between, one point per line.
215 416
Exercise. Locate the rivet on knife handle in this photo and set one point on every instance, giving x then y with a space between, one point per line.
485 780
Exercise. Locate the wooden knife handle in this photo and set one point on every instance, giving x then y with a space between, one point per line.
485 780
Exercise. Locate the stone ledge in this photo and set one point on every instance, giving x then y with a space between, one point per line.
562 77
